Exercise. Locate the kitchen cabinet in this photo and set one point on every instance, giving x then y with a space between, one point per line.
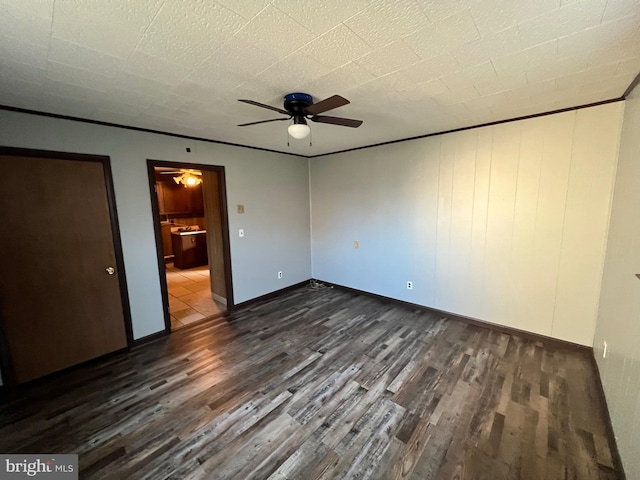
189 249
196 200
174 199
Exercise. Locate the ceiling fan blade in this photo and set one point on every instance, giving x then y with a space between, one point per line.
326 105
258 104
344 122
182 170
263 121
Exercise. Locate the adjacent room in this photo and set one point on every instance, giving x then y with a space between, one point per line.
358 239
189 217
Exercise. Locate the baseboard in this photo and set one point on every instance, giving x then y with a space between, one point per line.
549 341
615 453
219 299
271 295
149 338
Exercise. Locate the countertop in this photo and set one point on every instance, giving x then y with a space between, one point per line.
189 232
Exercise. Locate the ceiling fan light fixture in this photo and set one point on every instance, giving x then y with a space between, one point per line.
187 179
191 180
299 128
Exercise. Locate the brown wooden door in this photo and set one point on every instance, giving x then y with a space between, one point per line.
58 304
215 242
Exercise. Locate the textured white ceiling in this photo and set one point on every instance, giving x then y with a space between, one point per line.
409 67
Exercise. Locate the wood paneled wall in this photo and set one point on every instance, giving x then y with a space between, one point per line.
506 223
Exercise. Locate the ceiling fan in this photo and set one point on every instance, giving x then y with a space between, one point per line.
185 176
300 107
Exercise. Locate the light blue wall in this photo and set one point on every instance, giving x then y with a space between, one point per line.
619 316
369 196
273 188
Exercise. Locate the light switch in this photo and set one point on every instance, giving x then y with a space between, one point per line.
240 208
241 232
356 244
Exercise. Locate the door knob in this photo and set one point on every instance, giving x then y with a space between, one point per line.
110 270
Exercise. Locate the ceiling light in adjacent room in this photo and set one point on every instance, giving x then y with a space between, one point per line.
187 179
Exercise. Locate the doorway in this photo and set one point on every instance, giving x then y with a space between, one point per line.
192 241
63 297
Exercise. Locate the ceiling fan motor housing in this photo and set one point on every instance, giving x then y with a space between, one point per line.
295 103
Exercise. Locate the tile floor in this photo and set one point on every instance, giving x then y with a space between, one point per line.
190 295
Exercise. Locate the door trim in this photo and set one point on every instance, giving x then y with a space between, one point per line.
5 358
155 209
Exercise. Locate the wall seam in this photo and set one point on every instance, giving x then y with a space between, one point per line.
614 176
310 219
564 220
513 211
486 224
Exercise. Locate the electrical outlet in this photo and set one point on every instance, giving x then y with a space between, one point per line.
604 350
279 274
409 285
241 232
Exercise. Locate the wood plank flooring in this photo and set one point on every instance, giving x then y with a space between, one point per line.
319 384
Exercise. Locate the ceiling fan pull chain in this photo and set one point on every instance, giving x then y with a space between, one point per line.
310 133
288 145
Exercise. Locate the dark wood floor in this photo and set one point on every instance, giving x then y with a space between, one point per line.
323 384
